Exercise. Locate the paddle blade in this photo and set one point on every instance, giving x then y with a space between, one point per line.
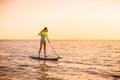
59 57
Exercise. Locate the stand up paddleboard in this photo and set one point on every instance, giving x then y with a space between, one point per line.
43 58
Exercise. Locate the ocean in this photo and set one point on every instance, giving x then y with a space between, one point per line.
81 60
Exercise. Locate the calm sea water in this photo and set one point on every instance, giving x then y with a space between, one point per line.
81 60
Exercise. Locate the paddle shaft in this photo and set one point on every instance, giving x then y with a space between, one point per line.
54 50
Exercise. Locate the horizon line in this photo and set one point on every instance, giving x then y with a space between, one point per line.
71 39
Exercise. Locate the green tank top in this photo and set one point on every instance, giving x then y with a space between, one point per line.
43 36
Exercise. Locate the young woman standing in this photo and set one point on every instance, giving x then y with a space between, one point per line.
44 35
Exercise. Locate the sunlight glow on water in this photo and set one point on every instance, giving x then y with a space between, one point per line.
81 60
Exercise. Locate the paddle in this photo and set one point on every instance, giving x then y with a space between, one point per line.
54 50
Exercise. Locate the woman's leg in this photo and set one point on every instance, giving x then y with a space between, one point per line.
40 49
44 49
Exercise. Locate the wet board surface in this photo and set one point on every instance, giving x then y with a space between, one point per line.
43 58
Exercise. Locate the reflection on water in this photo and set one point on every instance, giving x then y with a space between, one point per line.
42 70
82 60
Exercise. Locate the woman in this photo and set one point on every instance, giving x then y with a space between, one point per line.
44 36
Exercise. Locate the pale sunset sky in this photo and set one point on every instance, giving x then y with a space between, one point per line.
65 19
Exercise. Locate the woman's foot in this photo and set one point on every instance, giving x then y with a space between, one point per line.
38 55
45 56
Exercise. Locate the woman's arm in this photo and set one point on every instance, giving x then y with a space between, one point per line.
39 33
47 37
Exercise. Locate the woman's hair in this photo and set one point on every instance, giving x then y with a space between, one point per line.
45 29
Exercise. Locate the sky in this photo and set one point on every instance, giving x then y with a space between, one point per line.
65 19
